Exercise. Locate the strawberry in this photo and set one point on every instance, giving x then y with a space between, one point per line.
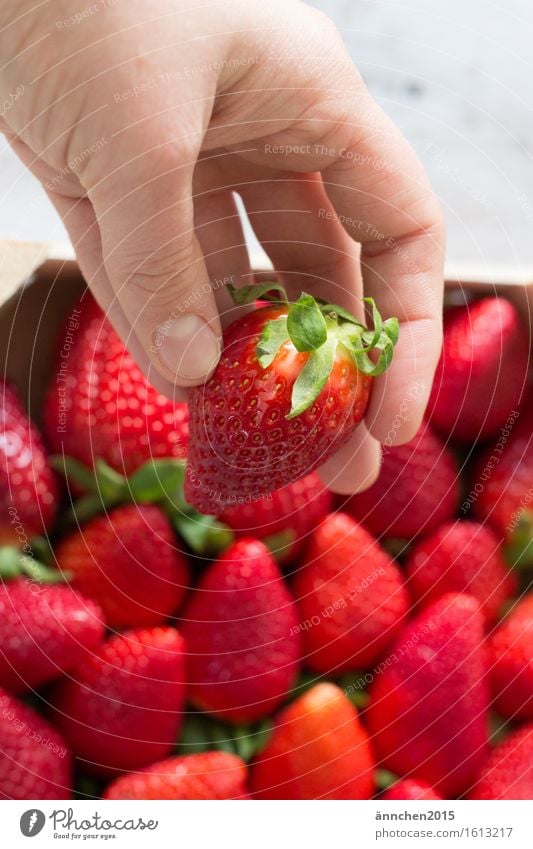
208 775
417 489
511 668
285 518
123 708
99 403
461 557
501 485
240 628
292 383
35 762
44 630
28 487
411 789
318 750
428 707
482 371
350 595
507 772
128 562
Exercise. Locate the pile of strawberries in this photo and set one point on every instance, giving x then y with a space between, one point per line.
230 629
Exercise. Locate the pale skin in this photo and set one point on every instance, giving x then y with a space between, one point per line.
141 119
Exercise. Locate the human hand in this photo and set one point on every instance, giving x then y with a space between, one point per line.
140 119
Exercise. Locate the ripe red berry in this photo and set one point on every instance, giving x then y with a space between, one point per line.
417 489
511 662
411 789
350 595
208 775
507 773
482 372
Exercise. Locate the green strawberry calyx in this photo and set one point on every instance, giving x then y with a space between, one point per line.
15 564
319 329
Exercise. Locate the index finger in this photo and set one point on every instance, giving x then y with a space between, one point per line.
382 195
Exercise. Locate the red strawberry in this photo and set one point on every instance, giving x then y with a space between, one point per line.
482 371
123 708
292 384
129 563
28 488
501 480
34 760
240 631
209 775
461 557
350 595
284 518
411 789
44 630
318 750
511 668
417 489
428 707
99 404
508 770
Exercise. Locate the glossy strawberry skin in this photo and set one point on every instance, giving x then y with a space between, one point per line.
427 713
208 775
504 472
122 709
129 563
463 557
295 510
44 630
511 663
35 762
241 441
417 489
318 750
482 371
29 490
350 595
411 789
508 770
239 626
107 409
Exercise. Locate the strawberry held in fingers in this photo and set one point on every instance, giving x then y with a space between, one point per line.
240 629
129 563
35 762
417 489
482 372
507 773
44 630
208 775
122 709
292 383
100 405
284 519
427 712
461 557
511 662
350 595
318 750
28 487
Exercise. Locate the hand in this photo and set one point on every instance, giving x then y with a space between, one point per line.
142 118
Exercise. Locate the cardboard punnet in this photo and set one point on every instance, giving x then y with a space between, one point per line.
39 283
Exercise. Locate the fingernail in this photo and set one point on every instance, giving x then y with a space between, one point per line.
188 347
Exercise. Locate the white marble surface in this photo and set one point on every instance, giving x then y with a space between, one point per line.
456 76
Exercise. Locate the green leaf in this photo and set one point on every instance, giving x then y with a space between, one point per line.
306 324
206 536
10 557
371 337
157 479
273 335
313 377
74 471
338 312
279 544
384 778
249 294
195 735
112 486
392 328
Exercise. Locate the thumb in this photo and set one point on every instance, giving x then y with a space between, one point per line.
154 262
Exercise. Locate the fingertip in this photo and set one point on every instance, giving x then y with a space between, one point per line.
355 466
186 350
